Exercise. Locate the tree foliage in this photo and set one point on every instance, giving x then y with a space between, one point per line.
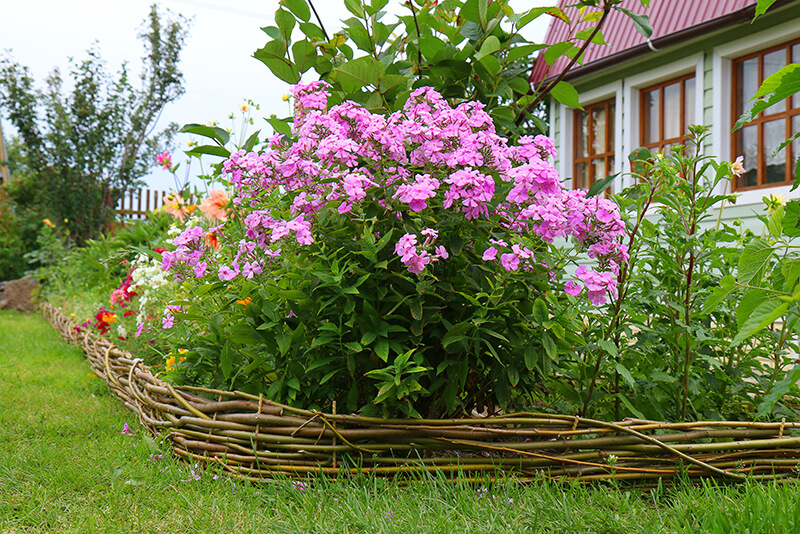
88 141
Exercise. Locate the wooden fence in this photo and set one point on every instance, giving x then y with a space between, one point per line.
137 203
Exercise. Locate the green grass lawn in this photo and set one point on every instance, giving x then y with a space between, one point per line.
65 466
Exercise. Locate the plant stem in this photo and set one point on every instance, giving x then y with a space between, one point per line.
543 92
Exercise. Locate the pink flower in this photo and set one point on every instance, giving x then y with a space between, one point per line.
737 167
510 262
490 254
572 288
126 430
214 206
165 160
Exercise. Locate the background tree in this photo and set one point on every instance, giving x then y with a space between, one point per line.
85 147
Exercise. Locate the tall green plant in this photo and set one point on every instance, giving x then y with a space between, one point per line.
86 147
465 49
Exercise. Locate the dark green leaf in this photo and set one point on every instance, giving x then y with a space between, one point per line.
299 8
273 56
566 94
280 126
357 73
212 150
382 349
540 312
212 132
764 315
753 261
305 55
285 22
600 185
640 22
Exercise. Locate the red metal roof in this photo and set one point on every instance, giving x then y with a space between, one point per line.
666 17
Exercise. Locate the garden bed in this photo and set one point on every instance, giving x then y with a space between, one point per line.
253 438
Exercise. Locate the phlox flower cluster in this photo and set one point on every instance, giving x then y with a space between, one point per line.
430 160
417 258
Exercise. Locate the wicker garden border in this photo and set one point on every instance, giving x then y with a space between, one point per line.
254 438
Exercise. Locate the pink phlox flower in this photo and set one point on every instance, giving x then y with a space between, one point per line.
430 236
226 273
572 288
510 261
490 254
417 193
167 321
441 252
597 284
126 430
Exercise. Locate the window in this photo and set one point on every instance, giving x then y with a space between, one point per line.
594 143
758 140
667 110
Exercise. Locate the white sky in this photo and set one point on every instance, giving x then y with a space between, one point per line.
217 63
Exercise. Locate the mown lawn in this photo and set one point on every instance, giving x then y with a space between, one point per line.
66 466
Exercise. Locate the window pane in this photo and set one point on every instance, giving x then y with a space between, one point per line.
599 130
599 170
774 135
650 116
748 147
672 111
611 126
689 98
773 62
747 75
583 135
580 179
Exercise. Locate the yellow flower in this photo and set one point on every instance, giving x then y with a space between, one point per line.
49 223
245 108
170 362
72 315
285 98
244 302
109 318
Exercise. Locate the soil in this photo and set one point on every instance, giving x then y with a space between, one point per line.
16 294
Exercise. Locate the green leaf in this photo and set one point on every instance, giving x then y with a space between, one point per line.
780 389
565 93
299 8
382 349
540 312
600 185
456 333
280 126
761 7
212 132
753 261
312 31
726 285
357 73
530 358
273 56
585 34
513 375
305 55
625 374
549 346
764 315
490 45
557 50
609 347
211 150
640 22
284 342
355 7
631 407
368 338
779 87
285 22
416 309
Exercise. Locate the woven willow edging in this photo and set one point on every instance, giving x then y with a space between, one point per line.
254 438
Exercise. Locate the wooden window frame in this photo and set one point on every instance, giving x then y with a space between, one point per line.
661 143
608 153
764 117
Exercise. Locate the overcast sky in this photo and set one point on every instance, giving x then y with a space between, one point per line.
219 70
